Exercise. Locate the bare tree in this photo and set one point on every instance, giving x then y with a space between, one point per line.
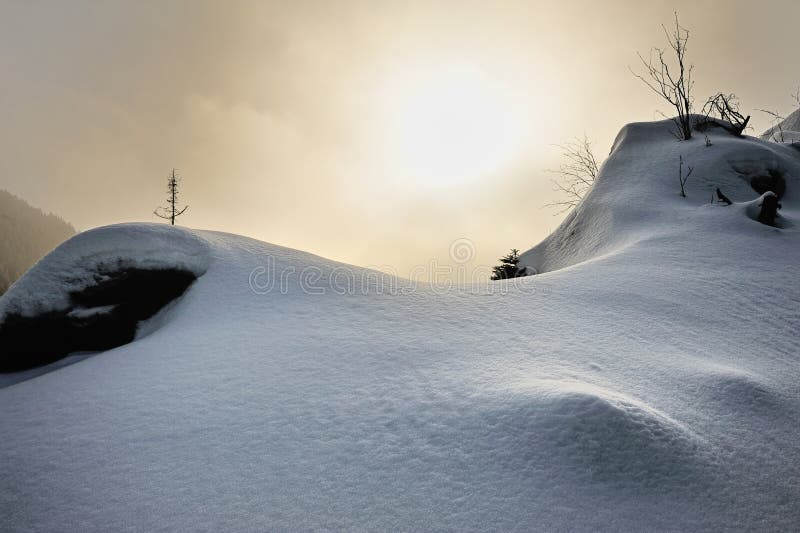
726 107
777 133
672 84
777 125
576 176
683 179
171 211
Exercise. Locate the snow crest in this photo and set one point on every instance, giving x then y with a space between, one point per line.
604 435
85 260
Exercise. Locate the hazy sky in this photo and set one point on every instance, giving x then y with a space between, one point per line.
369 132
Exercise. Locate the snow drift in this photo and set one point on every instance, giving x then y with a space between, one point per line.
647 381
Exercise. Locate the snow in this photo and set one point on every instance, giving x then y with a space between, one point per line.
648 380
83 260
637 193
84 312
787 131
753 208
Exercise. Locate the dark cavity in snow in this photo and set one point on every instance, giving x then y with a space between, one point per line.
772 180
100 317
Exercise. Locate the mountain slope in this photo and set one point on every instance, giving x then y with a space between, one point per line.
647 381
636 195
788 130
26 235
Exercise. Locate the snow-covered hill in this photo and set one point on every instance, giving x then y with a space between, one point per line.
636 196
648 380
788 130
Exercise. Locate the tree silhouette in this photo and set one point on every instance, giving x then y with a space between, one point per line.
673 85
776 132
508 267
576 175
726 106
171 211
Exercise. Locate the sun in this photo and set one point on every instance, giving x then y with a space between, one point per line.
454 126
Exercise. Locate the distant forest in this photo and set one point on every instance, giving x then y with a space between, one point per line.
26 235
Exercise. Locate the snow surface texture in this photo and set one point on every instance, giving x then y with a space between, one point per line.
648 381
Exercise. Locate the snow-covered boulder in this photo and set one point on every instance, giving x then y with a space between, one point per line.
92 291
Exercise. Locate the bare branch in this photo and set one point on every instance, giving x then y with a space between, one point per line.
683 179
673 86
777 127
726 107
576 176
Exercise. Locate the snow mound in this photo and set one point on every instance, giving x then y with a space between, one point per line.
609 436
90 257
615 435
752 210
737 389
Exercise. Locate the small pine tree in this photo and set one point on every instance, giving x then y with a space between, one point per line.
508 267
171 211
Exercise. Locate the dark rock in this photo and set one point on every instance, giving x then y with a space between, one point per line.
772 181
769 210
129 296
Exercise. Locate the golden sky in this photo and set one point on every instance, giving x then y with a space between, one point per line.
374 133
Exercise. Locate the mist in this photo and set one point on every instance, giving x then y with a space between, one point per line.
278 116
